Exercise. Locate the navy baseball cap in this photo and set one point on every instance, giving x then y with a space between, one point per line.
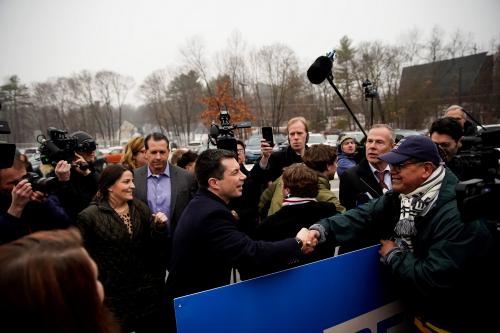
415 146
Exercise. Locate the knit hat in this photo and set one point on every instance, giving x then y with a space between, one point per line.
85 142
346 137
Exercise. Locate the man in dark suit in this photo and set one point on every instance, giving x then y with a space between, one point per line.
207 242
163 187
371 177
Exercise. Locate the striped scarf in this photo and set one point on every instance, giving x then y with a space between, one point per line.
417 203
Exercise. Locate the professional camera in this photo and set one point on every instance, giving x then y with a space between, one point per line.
370 90
223 136
42 184
478 157
58 147
479 195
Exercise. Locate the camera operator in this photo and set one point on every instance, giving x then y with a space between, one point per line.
78 180
447 134
457 112
24 210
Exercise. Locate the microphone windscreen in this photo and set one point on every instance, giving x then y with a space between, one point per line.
319 70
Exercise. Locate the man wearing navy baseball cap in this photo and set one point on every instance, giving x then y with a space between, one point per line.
440 262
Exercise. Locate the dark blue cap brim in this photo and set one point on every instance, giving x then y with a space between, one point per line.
394 157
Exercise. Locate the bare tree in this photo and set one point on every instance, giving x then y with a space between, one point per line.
103 84
277 68
122 85
412 46
84 90
195 57
232 62
434 45
16 98
459 45
153 92
185 93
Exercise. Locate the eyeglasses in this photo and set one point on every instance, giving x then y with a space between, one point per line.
241 150
397 167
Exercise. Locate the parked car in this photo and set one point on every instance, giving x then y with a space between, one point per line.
316 139
252 150
331 139
196 146
402 133
114 155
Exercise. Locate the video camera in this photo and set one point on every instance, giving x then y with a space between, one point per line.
42 184
478 157
223 136
370 89
478 160
58 147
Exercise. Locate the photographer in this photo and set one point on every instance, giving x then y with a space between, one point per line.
270 165
457 112
447 134
23 209
78 180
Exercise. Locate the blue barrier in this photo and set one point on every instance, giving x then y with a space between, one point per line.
348 293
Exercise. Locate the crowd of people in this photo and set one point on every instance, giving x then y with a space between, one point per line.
108 251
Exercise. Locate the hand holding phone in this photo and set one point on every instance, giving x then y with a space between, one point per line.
267 134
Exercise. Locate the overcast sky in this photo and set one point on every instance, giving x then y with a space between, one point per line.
40 39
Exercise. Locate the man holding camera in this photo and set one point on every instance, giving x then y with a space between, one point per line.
270 165
78 180
24 210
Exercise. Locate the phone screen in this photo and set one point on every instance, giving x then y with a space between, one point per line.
267 134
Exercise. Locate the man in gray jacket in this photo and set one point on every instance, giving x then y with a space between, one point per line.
163 187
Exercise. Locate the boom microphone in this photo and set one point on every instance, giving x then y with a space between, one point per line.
320 69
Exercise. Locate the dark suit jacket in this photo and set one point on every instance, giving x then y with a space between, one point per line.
207 244
183 187
355 183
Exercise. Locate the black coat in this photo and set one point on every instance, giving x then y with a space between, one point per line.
36 216
277 161
207 244
77 193
355 183
288 221
130 267
246 206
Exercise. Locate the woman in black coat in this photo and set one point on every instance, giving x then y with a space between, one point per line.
127 243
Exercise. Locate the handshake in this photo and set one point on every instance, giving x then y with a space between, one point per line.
308 239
